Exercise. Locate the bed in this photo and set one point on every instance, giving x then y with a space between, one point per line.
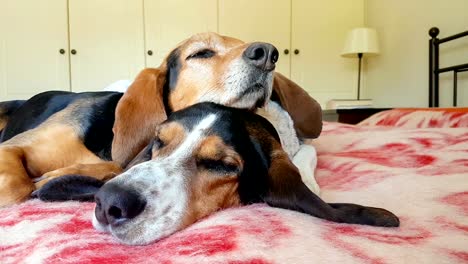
413 162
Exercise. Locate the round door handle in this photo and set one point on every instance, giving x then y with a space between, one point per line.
150 52
73 51
62 51
286 51
296 51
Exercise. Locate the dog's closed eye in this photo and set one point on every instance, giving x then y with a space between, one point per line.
218 165
202 54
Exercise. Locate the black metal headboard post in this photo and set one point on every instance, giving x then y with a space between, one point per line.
434 69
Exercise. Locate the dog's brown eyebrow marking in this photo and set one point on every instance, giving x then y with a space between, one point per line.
171 135
213 147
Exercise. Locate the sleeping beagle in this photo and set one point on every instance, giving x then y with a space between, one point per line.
99 133
202 159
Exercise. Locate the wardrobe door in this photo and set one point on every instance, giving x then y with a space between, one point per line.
33 47
319 30
259 20
169 22
106 42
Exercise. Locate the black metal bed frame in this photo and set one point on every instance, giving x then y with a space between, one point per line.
435 71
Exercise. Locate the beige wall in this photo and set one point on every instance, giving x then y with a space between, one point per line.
399 75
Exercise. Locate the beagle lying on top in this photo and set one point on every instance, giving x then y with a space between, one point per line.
202 159
97 134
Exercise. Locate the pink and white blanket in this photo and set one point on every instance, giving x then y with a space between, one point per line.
420 174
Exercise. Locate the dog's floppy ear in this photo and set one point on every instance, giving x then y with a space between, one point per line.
303 109
138 112
286 190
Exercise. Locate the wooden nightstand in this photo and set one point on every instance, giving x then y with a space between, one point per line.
349 116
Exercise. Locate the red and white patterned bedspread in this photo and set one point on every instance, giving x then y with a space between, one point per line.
419 174
420 118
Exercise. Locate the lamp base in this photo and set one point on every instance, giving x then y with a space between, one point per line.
349 103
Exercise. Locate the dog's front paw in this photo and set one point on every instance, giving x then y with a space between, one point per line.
67 187
39 182
46 177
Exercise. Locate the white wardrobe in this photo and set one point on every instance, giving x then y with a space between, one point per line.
85 45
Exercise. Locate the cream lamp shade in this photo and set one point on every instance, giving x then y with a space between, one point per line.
361 40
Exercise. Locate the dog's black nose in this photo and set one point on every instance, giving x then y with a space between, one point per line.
116 204
262 55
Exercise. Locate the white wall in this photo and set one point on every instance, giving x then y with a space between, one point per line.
319 31
398 77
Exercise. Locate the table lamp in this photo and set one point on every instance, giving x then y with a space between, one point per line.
361 42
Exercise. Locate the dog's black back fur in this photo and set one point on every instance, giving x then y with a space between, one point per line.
95 119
